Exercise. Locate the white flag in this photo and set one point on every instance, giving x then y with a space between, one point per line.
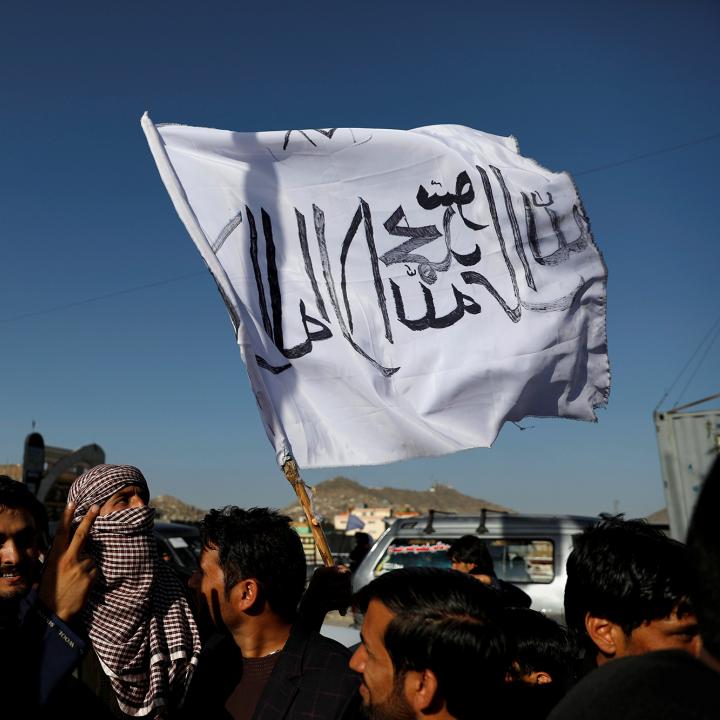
395 294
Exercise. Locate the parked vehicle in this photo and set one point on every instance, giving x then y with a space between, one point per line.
179 545
528 550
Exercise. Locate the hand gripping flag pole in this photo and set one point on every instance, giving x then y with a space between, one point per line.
268 213
292 474
189 219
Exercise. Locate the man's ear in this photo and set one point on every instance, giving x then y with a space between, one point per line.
421 690
245 594
605 634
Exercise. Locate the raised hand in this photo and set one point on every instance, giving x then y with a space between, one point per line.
329 589
68 574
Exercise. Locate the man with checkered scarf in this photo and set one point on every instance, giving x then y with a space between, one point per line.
137 617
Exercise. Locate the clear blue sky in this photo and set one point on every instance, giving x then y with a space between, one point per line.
154 375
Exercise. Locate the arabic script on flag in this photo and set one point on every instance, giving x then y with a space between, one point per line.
394 294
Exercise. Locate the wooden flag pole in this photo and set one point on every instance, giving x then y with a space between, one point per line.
292 474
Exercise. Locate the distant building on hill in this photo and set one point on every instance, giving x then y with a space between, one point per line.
374 520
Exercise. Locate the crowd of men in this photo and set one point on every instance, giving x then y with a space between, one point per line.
100 627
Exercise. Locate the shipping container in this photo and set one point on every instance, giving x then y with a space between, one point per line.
688 443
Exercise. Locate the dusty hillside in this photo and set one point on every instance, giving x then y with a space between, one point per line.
170 509
338 494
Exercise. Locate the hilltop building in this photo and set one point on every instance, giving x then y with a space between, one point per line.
375 520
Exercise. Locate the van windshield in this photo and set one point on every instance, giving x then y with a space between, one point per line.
414 552
517 560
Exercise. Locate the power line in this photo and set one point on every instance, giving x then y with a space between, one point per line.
652 153
715 326
599 168
95 298
697 367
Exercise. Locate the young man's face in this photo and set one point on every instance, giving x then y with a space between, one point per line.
669 633
19 551
383 697
208 582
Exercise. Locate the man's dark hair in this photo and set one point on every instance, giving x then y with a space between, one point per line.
472 549
627 572
362 538
446 622
258 543
16 495
537 644
703 544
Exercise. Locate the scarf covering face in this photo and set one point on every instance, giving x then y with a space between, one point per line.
137 617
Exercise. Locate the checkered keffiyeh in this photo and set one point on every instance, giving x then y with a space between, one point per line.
137 617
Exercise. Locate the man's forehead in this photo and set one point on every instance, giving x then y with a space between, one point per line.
15 519
209 555
377 618
131 488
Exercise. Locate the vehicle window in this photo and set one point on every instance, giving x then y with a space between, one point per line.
187 549
414 552
515 560
523 561
194 545
187 557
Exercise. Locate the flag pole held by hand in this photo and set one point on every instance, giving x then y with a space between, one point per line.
292 474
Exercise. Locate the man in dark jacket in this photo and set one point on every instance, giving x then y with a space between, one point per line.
670 684
627 593
40 645
264 665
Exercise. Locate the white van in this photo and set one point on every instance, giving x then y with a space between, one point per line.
529 551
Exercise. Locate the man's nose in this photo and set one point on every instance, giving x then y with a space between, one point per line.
357 661
137 501
9 553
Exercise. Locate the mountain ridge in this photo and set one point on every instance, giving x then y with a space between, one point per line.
338 494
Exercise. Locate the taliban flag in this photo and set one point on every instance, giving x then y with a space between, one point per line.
394 293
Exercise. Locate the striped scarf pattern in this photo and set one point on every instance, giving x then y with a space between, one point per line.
137 617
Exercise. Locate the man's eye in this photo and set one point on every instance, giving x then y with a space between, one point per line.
26 537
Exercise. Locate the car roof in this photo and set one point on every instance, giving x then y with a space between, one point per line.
493 523
176 529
